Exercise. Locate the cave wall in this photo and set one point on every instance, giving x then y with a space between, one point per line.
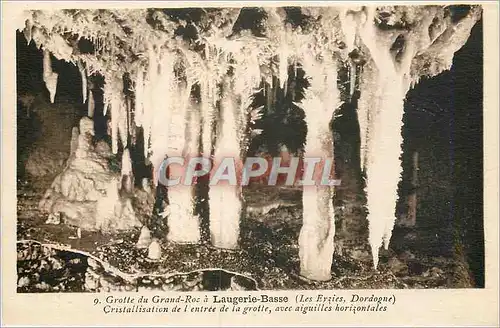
43 128
444 124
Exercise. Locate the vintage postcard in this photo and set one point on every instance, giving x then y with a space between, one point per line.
250 163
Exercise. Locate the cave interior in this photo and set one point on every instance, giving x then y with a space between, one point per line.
442 125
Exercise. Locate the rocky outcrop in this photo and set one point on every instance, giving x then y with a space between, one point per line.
86 193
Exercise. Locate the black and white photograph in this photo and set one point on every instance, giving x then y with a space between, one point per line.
249 148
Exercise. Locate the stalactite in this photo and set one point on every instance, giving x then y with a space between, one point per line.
244 86
283 64
139 97
123 114
113 99
225 201
383 166
368 100
278 31
316 240
115 110
49 77
144 239
209 96
163 104
83 74
152 101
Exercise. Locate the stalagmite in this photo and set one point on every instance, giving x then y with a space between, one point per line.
208 116
316 239
126 171
74 140
49 77
154 250
209 97
349 26
350 19
225 200
169 131
397 62
144 238
111 103
183 223
145 120
126 163
90 105
114 100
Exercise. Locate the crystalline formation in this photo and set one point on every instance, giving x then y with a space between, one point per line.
228 64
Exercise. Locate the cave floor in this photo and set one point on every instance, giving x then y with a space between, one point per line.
268 253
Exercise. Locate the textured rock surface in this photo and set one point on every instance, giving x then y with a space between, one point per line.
86 192
43 161
77 271
44 133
